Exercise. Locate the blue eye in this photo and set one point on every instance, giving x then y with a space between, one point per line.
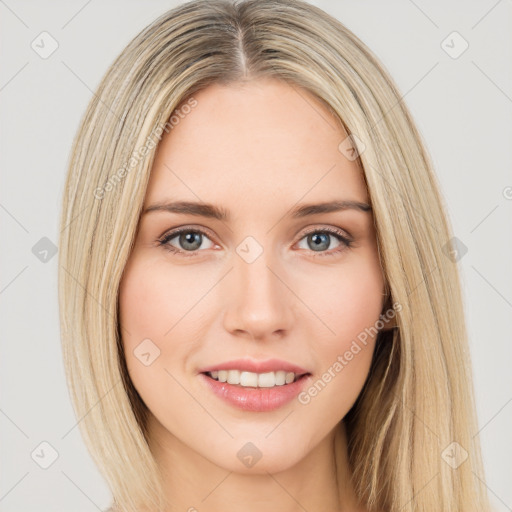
190 240
320 239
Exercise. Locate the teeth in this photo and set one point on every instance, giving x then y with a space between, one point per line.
253 380
233 377
249 379
280 378
267 380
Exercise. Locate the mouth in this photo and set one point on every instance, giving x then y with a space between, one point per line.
255 392
248 379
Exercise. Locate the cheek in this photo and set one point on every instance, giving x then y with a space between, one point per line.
349 308
140 308
153 303
152 300
160 309
347 302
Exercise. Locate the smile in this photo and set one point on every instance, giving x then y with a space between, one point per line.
254 380
266 394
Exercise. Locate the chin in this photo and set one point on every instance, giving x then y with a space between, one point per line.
270 462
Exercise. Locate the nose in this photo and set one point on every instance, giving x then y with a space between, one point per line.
261 305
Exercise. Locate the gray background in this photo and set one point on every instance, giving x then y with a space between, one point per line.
462 107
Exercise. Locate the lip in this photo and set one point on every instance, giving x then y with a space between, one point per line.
255 399
255 366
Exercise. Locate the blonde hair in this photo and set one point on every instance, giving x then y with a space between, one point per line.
418 398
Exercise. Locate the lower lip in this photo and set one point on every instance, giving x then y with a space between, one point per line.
255 399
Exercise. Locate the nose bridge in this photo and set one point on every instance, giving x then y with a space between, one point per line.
257 281
260 302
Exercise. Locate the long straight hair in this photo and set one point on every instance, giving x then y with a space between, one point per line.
416 413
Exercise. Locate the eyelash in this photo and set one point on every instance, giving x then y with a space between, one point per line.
346 242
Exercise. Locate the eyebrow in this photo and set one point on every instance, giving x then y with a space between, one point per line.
219 213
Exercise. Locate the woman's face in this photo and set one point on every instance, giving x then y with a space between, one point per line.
264 294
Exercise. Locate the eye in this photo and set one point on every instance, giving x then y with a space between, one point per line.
189 239
319 239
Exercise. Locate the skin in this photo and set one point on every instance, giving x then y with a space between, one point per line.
257 150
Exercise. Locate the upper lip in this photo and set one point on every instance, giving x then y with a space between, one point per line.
255 366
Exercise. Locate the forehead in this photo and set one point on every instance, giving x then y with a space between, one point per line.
257 142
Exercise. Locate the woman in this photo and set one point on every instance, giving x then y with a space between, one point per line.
257 305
